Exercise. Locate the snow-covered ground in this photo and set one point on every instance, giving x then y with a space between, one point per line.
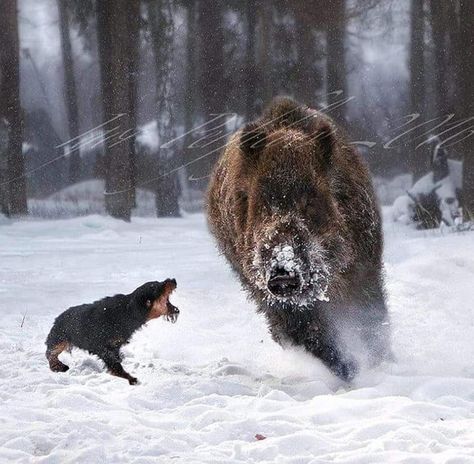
83 199
87 198
214 380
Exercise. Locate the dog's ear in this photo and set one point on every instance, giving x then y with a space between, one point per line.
170 285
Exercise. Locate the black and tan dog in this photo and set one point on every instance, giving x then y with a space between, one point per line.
102 327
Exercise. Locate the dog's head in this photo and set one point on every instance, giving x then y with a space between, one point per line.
154 298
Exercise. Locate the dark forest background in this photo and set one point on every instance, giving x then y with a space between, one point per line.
142 93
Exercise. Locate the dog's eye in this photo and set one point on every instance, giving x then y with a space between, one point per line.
148 303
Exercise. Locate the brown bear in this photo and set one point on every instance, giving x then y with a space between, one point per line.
292 207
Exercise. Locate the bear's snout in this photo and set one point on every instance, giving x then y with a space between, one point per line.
294 273
284 283
284 277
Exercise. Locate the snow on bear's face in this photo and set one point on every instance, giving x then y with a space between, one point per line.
287 218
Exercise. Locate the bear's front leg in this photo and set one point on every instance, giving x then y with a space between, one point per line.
303 329
328 352
321 340
374 328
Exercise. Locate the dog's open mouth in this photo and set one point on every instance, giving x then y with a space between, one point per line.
172 313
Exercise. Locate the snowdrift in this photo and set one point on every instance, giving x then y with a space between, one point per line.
214 380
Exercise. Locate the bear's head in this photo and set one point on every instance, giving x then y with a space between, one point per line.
283 204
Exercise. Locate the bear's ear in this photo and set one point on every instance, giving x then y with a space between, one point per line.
252 139
323 132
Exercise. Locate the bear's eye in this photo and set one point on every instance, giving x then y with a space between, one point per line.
315 209
242 198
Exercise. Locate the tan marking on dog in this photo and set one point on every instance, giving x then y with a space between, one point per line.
158 307
54 362
59 348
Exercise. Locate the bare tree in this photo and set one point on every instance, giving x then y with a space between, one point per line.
212 79
4 142
439 28
265 64
466 39
69 89
190 97
418 162
308 79
113 41
336 74
250 66
160 17
134 19
10 109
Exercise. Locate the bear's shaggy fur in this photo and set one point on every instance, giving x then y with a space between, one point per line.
292 208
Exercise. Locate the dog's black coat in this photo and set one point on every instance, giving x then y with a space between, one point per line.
104 326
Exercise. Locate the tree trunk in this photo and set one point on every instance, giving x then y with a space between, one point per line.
4 142
336 61
453 55
112 32
211 32
265 65
212 78
70 91
250 71
419 162
133 70
10 109
439 28
466 37
308 77
161 22
190 99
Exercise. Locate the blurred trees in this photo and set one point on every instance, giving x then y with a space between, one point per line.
418 163
133 15
265 54
70 92
335 57
10 110
441 83
466 84
161 25
250 60
197 59
211 85
189 100
439 18
115 33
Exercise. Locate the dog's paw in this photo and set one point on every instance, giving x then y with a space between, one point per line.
133 381
59 367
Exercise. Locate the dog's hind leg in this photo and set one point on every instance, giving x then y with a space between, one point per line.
113 360
52 354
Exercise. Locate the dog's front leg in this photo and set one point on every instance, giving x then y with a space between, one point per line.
113 361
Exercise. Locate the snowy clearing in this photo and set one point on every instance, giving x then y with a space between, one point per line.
213 381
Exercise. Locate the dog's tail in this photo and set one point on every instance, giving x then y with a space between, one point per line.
56 343
54 338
